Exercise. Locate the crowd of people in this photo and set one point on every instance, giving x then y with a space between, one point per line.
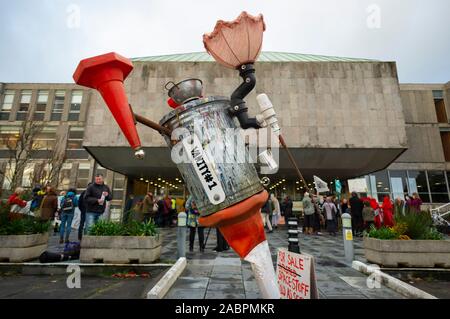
367 211
324 212
318 211
46 205
162 209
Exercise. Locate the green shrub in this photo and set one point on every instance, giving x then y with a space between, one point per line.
411 225
382 233
106 228
133 228
432 234
418 223
27 225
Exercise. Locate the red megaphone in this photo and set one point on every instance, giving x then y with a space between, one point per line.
106 74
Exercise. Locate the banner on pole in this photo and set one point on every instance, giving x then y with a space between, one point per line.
338 185
321 186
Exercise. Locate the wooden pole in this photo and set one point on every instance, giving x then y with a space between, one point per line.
149 123
292 160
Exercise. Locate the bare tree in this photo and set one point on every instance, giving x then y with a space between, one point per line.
47 172
46 169
19 149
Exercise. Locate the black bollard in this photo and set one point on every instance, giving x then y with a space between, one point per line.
293 235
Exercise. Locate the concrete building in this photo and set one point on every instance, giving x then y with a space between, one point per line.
342 118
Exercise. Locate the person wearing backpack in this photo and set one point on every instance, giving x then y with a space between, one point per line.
67 212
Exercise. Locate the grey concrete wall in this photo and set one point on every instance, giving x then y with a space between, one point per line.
418 106
424 145
51 87
423 130
320 105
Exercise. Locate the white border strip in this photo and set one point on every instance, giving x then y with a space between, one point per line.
169 278
393 283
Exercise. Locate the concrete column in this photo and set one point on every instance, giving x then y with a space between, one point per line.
109 178
91 171
32 106
15 106
62 133
67 99
48 109
85 102
2 168
73 174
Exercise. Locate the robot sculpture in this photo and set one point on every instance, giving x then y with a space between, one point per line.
228 193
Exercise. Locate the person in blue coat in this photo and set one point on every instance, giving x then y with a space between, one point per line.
67 212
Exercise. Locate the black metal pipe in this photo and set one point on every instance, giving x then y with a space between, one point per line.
237 103
247 73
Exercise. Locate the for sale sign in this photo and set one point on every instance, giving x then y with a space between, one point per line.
296 275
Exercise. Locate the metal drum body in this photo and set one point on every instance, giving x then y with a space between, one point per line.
238 178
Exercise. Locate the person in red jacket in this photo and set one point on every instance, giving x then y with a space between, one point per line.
16 203
376 208
388 209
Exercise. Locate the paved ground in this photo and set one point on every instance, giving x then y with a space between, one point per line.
435 282
209 275
224 275
92 287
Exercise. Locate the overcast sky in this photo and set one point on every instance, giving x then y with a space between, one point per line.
43 40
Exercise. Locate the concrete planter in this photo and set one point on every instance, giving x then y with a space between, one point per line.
19 248
120 249
408 253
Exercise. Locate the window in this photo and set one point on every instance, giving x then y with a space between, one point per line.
9 136
58 106
41 105
441 112
118 186
438 94
379 185
83 176
45 139
9 171
75 138
445 139
8 100
398 184
27 176
438 187
75 148
25 100
75 105
64 176
417 183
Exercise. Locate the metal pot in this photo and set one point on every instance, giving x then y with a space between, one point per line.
208 119
185 91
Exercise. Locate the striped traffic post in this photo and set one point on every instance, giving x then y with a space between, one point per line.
293 235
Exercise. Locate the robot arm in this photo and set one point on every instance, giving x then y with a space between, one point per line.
237 103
